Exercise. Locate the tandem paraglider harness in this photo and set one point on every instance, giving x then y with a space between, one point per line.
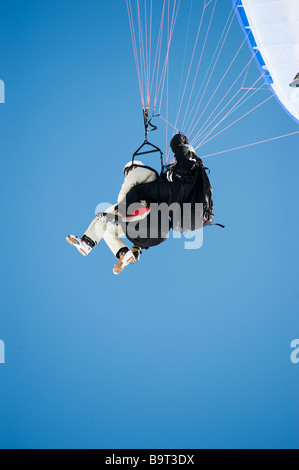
191 189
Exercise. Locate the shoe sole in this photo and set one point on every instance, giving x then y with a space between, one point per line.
74 242
82 252
118 268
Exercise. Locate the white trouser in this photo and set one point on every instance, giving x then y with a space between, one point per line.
109 232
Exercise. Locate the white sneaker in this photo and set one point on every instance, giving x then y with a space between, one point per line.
80 244
123 262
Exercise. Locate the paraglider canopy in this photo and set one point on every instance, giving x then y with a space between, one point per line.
272 31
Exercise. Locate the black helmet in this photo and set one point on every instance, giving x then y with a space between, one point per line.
177 141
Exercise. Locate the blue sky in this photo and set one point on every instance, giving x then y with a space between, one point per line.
186 349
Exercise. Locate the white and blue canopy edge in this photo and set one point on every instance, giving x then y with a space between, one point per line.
272 31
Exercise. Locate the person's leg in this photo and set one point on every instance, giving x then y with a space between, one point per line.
97 228
112 236
124 255
91 237
95 231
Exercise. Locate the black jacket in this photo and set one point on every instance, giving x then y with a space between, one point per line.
186 160
184 182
